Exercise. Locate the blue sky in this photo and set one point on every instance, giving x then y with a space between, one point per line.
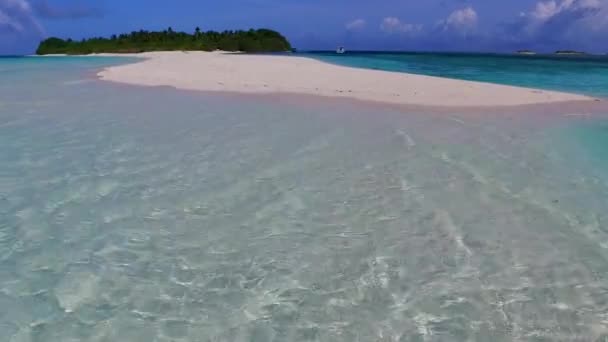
475 25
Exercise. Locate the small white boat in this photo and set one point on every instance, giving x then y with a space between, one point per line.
340 50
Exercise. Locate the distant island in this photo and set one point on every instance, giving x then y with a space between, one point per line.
569 52
526 52
260 40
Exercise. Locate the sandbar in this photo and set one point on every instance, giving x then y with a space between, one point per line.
276 74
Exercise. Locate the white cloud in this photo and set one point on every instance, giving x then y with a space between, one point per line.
9 24
559 19
357 24
559 24
394 25
19 5
17 16
463 20
545 10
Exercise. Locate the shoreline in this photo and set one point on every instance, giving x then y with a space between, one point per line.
292 75
581 109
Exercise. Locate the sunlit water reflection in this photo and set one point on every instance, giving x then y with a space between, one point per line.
133 214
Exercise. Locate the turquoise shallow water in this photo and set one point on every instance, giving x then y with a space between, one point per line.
580 74
149 214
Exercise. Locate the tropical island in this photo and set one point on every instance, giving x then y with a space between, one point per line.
253 40
525 52
569 52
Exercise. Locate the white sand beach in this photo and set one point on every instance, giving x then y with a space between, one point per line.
266 74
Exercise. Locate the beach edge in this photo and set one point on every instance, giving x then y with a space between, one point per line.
221 72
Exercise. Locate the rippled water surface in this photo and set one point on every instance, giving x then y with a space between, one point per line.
148 214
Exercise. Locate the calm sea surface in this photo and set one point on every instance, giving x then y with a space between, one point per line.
586 74
150 214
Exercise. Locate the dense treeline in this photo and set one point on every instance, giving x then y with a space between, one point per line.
262 40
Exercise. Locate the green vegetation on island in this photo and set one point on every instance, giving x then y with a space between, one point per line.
261 40
526 52
569 52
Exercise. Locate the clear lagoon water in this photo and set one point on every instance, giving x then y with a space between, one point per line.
586 74
150 214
